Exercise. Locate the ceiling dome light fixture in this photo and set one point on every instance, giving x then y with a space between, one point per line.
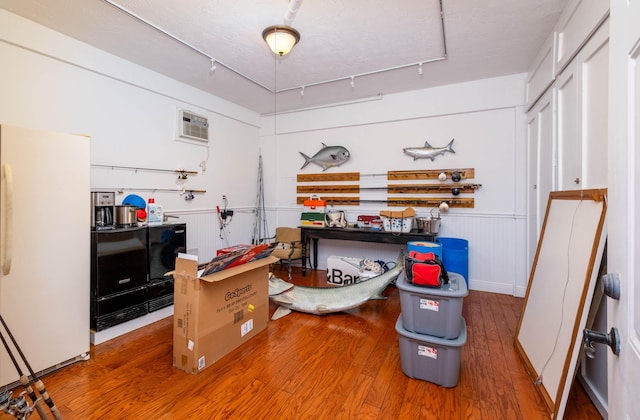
281 38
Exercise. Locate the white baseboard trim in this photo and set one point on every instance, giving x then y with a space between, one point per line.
134 324
520 292
491 287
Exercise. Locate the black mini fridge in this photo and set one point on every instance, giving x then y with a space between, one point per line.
119 276
165 242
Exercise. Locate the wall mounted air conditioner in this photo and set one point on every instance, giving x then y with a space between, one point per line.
193 126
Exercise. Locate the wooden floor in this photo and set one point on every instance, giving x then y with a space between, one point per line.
340 366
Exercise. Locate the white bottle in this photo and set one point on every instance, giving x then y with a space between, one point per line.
154 213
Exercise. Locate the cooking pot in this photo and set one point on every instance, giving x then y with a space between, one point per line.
429 225
126 216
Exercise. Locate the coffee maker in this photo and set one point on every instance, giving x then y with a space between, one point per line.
102 208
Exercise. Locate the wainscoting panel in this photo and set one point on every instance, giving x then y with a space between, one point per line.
497 248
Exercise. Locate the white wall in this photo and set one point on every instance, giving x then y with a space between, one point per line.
52 82
56 83
486 119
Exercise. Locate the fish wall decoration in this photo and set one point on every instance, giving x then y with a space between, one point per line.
428 151
327 157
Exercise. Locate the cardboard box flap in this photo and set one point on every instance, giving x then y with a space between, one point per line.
228 272
185 265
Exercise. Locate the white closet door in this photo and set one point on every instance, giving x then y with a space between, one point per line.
569 146
582 95
540 139
594 82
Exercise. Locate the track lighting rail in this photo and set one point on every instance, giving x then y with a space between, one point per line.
213 62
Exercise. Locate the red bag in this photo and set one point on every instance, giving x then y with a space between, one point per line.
425 269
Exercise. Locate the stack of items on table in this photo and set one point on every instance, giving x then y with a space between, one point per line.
313 213
431 329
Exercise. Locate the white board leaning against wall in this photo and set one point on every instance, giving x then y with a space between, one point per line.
561 284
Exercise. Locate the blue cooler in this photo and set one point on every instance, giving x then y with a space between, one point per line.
455 256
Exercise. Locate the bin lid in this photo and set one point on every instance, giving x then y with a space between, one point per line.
456 342
457 287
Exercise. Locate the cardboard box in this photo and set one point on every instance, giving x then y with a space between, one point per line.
216 313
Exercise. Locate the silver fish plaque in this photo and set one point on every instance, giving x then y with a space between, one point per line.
327 157
428 151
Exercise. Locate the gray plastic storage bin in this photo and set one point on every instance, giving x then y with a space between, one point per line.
433 310
431 358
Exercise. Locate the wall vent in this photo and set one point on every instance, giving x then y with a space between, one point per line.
193 126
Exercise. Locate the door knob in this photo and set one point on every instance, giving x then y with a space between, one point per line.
611 285
577 180
612 340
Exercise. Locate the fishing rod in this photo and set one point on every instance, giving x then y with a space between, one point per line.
461 202
222 218
37 381
425 188
398 201
17 406
260 228
391 188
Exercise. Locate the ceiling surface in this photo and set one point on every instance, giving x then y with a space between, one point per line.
349 49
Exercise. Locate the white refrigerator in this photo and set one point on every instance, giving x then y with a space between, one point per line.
44 248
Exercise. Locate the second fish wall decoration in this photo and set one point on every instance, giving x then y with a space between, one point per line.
428 151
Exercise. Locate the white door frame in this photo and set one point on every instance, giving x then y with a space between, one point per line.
624 207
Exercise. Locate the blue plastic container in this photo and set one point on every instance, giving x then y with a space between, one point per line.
455 256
